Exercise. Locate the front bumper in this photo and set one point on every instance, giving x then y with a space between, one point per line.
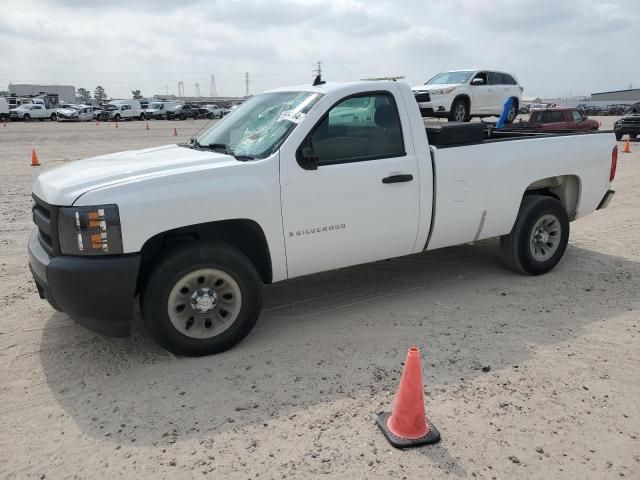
435 108
97 292
627 128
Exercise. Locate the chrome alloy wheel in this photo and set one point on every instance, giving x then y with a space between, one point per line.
545 237
460 112
204 303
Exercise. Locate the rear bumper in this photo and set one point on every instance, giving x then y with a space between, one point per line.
96 292
606 200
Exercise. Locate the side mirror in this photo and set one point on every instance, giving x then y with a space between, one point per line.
477 81
308 159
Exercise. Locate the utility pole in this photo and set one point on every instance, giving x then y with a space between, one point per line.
212 88
246 84
197 89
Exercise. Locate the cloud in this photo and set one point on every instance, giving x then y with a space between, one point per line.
553 47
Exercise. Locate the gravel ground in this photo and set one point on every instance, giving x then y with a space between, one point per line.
297 399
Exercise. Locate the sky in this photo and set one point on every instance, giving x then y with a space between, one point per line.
555 48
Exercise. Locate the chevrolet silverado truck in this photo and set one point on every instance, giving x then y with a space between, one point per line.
296 181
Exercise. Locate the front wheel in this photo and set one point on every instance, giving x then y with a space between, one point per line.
141 117
459 111
202 299
117 117
618 136
53 117
539 237
27 117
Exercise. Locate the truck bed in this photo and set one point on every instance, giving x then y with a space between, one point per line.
451 134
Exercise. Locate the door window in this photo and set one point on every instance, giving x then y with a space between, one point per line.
577 116
364 127
552 117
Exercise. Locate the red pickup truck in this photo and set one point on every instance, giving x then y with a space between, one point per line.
561 119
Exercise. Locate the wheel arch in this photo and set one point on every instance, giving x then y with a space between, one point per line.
564 188
243 234
462 96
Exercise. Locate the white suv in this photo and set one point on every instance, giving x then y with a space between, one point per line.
461 94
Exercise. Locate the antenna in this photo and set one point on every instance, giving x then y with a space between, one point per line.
246 84
318 75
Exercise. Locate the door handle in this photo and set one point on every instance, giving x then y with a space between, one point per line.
398 178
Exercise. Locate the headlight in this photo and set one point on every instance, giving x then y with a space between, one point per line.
443 91
90 230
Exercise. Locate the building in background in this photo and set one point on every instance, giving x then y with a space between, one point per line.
66 93
630 95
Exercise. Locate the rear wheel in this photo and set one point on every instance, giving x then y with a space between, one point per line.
459 111
513 112
141 118
202 299
539 237
117 117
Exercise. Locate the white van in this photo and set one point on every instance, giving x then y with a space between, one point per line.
4 109
124 110
158 110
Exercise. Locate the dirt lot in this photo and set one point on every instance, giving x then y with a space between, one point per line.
297 399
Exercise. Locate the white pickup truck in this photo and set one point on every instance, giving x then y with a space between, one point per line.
296 181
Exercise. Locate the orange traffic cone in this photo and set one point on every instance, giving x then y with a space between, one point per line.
147 126
34 159
627 147
175 132
407 425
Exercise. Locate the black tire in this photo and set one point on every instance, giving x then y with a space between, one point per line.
182 261
513 113
459 111
117 117
633 135
182 117
26 117
141 118
53 117
516 247
618 136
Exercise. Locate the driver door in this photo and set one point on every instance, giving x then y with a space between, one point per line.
481 95
350 189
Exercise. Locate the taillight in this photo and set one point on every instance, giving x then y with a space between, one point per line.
614 163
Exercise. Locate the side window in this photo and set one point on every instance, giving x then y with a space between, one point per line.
496 78
509 80
552 117
577 116
365 127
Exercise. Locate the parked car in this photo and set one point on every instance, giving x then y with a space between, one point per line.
30 111
561 119
158 110
537 106
214 111
627 125
635 108
76 113
297 189
4 109
125 110
462 94
182 112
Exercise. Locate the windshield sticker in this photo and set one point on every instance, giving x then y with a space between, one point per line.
292 116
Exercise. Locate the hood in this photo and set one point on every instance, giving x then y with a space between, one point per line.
67 112
63 185
428 88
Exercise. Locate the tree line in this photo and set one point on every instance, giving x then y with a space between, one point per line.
101 95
